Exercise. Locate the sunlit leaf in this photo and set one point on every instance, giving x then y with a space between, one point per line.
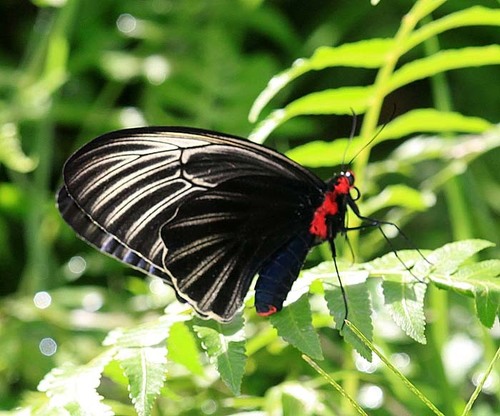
480 280
11 154
396 195
445 260
317 153
145 335
294 325
405 302
182 348
389 263
334 101
472 16
368 53
225 346
75 388
444 61
333 153
359 313
430 120
142 354
146 368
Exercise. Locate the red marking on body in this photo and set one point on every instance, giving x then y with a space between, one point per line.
272 310
329 207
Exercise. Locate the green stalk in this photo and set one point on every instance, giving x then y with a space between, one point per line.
349 399
438 299
481 383
37 272
407 383
420 9
44 73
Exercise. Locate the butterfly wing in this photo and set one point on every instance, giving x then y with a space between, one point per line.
200 209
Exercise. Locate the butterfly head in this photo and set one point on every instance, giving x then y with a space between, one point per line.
341 183
348 177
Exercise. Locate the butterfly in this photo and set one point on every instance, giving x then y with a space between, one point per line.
204 211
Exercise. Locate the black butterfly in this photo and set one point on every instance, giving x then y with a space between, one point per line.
204 211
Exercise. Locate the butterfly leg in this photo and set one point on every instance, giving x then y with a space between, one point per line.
372 222
342 289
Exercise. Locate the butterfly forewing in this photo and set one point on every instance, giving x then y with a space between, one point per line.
201 209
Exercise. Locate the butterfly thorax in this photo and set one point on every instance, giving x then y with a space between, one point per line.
329 216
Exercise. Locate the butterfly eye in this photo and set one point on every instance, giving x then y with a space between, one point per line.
350 176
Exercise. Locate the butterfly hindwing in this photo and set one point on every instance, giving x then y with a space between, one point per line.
96 235
220 239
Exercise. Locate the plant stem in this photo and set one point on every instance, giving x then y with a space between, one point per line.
420 9
45 70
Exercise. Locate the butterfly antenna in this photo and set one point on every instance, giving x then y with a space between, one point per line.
351 136
367 144
374 137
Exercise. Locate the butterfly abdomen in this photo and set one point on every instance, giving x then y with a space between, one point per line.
278 274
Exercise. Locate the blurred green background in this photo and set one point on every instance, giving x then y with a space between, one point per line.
71 70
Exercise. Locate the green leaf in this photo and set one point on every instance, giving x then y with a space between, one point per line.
141 353
334 101
369 53
389 265
11 154
225 347
294 325
466 147
480 280
292 398
145 335
347 99
363 54
231 365
146 368
445 260
405 302
359 313
485 276
404 295
321 153
75 388
317 154
473 16
396 195
343 100
431 120
182 348
444 268
443 61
